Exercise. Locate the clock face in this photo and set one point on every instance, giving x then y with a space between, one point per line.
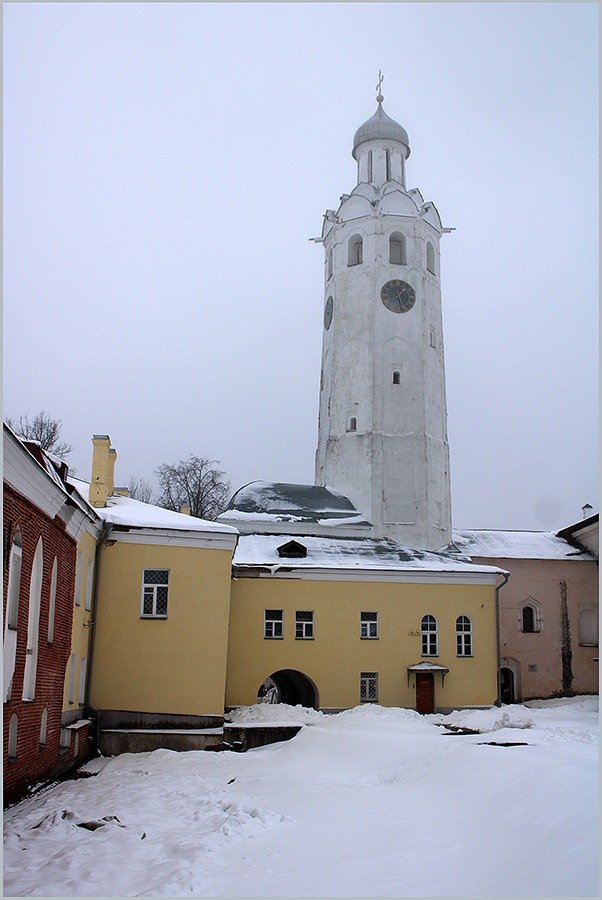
398 296
328 313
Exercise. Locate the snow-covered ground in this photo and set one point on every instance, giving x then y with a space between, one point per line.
372 802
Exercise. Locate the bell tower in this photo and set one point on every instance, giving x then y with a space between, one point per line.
382 430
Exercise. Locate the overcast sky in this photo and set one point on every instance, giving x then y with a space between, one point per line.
166 165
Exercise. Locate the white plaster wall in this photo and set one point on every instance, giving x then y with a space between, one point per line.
395 468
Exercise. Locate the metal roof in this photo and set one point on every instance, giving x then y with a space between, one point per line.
380 126
515 545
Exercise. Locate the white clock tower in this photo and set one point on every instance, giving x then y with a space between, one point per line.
382 433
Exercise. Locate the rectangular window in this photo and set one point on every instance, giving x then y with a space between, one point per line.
464 644
273 623
155 586
78 578
304 625
368 687
89 584
368 625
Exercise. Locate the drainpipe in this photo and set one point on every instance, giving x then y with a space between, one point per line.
103 537
506 576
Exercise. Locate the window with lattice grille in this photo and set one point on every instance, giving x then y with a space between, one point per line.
368 625
304 625
368 687
273 623
155 588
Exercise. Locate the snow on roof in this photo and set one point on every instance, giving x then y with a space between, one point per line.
261 550
266 501
515 545
134 514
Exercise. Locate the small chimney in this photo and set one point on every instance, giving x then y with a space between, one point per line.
185 510
122 491
586 510
100 470
111 472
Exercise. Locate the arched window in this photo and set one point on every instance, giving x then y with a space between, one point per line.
355 252
463 636
397 249
370 165
430 258
429 635
352 426
12 736
52 607
33 624
387 164
528 618
396 377
329 264
44 727
14 580
530 615
588 628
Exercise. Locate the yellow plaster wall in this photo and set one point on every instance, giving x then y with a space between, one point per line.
170 666
337 655
80 631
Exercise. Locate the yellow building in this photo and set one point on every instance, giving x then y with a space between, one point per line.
327 616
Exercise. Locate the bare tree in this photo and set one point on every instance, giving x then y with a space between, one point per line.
194 482
43 429
140 489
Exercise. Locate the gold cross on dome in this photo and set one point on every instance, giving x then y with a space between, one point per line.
381 78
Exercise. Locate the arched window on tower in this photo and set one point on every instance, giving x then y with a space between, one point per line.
370 165
397 249
355 252
388 164
329 264
396 377
430 258
352 426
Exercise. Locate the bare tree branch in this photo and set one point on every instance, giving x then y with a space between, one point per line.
194 482
43 429
140 489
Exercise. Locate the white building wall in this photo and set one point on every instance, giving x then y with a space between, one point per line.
395 465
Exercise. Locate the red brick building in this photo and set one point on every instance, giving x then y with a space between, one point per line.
41 526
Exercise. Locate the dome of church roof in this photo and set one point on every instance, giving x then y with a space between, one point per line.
378 127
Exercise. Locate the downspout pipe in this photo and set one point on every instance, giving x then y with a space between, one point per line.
506 576
103 537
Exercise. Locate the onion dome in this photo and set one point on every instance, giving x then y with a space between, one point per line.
380 127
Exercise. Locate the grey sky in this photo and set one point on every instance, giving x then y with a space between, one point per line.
165 165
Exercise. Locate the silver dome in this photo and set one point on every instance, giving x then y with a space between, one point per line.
380 127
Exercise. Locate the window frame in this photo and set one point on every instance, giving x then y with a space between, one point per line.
272 621
355 250
368 625
154 585
464 645
397 241
304 628
365 687
429 633
15 567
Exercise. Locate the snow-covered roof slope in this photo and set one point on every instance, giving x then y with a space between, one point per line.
131 513
304 508
515 545
336 553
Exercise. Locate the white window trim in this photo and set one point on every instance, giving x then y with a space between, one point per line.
370 625
307 625
270 622
150 584
429 633
365 679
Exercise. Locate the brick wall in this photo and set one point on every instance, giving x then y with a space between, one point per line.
35 762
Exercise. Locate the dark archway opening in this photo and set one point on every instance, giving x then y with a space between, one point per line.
506 685
294 688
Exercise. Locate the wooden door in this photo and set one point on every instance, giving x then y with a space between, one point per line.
425 692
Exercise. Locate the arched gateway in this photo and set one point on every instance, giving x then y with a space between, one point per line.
292 687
